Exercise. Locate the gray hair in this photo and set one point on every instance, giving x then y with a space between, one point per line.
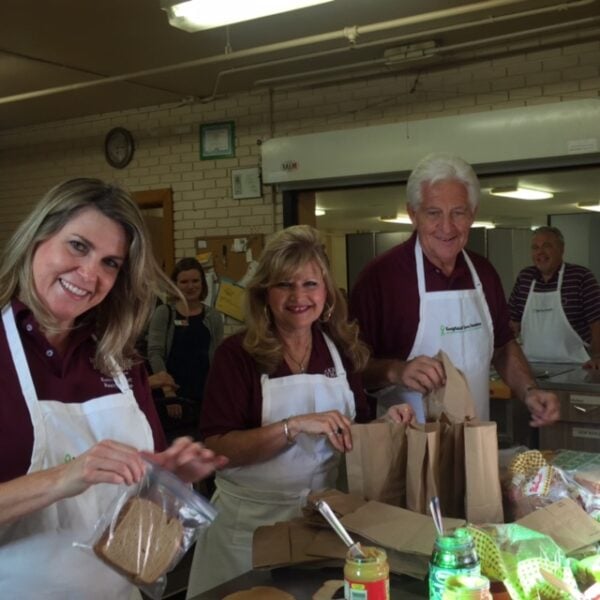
555 231
440 167
120 318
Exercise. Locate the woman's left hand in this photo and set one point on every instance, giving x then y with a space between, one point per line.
400 413
189 460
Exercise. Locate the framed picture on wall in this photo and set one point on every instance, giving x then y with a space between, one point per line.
217 140
245 183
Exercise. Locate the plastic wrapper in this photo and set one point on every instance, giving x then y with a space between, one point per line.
533 483
515 555
148 529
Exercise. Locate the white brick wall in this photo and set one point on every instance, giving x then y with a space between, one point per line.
167 139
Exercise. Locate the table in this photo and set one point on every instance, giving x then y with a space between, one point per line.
303 582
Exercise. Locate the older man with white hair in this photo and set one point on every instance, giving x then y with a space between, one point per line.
429 294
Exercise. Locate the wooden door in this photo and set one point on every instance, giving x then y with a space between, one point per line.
157 208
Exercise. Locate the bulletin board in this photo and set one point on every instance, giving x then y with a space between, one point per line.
231 254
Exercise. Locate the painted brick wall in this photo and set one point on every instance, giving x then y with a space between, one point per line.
167 155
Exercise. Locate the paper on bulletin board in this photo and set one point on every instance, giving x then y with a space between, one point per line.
230 300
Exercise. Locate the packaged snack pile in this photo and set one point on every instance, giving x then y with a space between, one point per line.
533 483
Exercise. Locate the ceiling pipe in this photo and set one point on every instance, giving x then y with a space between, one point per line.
430 53
382 42
348 33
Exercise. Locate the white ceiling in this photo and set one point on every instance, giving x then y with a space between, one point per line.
118 54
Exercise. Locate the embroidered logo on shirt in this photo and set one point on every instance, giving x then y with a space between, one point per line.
330 372
449 329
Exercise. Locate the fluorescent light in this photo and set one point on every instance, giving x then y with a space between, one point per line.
399 218
520 193
195 15
486 224
319 212
595 206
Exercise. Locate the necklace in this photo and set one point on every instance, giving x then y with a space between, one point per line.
303 362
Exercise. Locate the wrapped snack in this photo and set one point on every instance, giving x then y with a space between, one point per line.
515 555
534 483
588 481
148 529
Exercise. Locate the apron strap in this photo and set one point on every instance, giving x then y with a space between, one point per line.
28 390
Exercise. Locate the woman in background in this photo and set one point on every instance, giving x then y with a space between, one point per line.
182 338
77 284
280 399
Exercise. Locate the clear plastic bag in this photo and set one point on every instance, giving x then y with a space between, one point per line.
148 529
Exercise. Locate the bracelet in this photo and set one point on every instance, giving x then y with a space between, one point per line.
286 432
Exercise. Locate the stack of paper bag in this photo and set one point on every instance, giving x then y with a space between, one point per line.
407 537
452 457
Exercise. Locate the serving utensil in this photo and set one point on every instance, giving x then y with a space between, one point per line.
353 547
436 513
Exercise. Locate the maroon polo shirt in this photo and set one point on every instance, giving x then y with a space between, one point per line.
579 296
70 378
233 394
385 298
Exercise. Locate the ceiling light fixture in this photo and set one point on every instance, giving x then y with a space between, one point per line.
319 212
399 218
195 15
486 224
520 193
594 206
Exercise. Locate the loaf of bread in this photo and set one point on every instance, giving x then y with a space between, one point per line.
143 542
589 479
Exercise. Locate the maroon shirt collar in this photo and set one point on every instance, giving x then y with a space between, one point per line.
461 269
24 317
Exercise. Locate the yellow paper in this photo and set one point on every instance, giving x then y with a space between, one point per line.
230 300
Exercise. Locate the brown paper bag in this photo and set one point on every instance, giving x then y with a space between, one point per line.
376 466
452 468
422 469
483 499
454 399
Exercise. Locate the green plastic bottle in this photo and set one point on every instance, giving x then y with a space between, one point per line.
453 554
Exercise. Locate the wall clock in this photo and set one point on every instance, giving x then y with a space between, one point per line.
119 147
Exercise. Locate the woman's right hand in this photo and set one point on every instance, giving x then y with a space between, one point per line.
163 380
106 462
332 424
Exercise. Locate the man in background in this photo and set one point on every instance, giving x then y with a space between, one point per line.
556 305
427 294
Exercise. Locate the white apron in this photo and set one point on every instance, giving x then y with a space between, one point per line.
459 323
37 559
546 332
276 489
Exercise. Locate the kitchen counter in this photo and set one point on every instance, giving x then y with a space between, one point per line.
302 583
578 391
567 377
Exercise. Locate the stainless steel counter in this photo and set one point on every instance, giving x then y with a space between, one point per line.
567 377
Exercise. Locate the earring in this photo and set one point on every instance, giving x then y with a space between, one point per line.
267 314
326 314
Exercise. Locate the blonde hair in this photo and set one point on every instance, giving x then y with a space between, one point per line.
120 318
288 251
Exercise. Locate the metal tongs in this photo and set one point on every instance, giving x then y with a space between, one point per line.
353 547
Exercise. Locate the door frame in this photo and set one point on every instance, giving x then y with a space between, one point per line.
161 198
